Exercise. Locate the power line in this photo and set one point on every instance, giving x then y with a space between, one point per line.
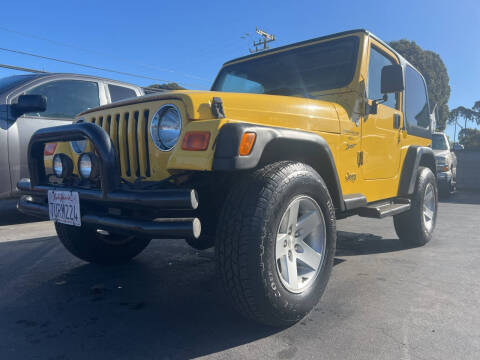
83 65
58 43
11 67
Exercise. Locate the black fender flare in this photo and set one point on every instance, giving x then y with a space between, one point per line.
416 156
226 157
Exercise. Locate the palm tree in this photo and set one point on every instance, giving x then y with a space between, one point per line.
468 115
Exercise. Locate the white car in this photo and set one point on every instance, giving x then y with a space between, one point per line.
446 164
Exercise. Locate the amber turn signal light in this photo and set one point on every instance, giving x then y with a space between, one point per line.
246 145
196 140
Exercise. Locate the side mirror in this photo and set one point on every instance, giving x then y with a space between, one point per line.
391 82
29 103
392 79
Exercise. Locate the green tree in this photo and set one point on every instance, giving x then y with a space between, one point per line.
465 114
470 139
435 73
167 86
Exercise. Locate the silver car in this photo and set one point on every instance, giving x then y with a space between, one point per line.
446 164
31 102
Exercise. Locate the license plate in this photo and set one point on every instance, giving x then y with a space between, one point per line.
64 207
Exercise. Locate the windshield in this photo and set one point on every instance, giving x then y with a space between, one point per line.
302 72
439 142
10 82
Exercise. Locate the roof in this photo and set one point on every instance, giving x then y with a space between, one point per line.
305 42
91 77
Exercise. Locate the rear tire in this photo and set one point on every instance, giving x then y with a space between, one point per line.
99 247
446 191
255 251
415 227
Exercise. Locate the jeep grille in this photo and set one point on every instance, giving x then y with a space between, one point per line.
129 134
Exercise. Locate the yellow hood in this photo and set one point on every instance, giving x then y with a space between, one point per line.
273 110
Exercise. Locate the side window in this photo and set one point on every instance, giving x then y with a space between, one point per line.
118 93
377 61
416 105
66 98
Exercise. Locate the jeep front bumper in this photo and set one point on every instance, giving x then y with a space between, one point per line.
111 207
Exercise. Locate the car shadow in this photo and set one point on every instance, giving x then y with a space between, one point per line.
351 244
462 197
166 303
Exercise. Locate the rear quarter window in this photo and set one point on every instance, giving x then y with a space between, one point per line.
417 111
118 93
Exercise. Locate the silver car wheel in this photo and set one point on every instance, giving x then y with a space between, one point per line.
300 244
429 207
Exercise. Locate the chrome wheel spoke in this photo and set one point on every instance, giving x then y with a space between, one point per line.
429 206
428 212
292 274
281 245
282 261
293 216
308 223
308 255
300 244
429 196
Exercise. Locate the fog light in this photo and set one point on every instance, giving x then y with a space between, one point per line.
88 166
62 166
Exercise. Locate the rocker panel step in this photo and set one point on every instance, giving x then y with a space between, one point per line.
382 210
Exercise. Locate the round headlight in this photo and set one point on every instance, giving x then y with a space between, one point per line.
88 166
165 127
79 145
62 166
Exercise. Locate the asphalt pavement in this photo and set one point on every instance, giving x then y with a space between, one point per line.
383 301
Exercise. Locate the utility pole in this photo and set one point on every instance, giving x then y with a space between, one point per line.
266 38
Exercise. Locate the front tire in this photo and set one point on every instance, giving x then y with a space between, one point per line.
415 227
99 247
446 191
276 222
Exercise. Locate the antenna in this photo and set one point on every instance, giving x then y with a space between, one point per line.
266 38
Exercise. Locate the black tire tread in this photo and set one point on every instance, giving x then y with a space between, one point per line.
243 217
409 225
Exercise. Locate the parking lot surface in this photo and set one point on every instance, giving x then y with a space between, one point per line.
383 301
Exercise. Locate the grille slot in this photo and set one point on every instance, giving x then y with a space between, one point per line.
145 142
130 136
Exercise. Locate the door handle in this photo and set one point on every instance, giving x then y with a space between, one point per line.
396 121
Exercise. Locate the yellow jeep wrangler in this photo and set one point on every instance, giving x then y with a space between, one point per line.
287 141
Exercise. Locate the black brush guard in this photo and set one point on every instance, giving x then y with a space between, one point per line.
110 194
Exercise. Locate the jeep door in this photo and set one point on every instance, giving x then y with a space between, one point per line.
381 131
65 99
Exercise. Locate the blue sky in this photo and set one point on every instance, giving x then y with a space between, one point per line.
187 41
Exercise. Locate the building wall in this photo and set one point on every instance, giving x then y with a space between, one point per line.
468 170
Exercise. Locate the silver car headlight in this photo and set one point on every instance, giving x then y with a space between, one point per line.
165 127
441 161
79 145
